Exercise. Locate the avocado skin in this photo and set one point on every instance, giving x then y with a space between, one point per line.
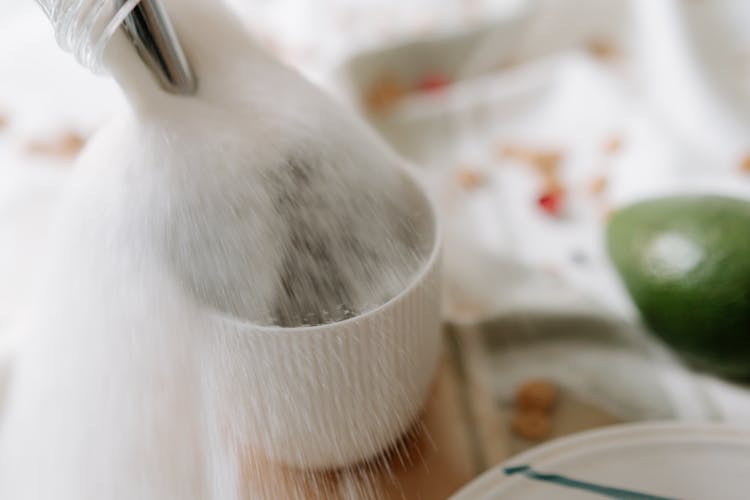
686 263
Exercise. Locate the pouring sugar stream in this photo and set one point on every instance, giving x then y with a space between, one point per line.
238 266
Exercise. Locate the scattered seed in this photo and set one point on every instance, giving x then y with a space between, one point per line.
67 145
552 202
532 425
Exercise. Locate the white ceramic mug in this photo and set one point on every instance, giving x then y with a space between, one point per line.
338 394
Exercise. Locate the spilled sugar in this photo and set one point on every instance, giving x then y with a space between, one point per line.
256 199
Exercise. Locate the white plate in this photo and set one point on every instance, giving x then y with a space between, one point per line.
669 460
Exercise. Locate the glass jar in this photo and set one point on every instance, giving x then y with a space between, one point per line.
84 27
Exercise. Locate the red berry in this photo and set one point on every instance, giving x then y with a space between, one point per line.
551 203
433 82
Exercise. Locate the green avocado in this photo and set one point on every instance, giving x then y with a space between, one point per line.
686 262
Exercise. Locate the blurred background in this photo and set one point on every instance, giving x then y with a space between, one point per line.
531 120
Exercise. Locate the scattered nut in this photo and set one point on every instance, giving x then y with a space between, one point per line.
547 161
745 165
470 178
532 425
3 121
543 160
539 394
68 145
386 93
613 145
604 50
598 185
